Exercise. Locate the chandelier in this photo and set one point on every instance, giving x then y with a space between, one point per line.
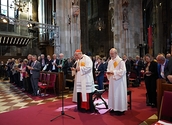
19 5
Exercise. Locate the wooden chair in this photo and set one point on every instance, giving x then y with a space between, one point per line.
129 99
132 76
166 107
162 86
106 82
42 79
40 76
44 85
51 83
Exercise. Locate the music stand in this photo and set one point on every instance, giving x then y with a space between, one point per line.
62 112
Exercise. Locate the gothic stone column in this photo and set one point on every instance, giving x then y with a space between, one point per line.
126 42
69 26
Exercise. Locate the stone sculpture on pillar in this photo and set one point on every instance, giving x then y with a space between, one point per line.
75 8
125 14
111 8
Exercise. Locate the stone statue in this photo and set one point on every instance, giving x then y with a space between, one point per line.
125 15
74 2
112 24
124 2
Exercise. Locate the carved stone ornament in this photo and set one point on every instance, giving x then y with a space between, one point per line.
112 24
111 4
125 3
125 26
125 15
76 10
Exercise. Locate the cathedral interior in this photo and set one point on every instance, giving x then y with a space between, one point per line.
134 27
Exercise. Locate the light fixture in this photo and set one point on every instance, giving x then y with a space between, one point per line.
19 5
29 25
4 20
100 24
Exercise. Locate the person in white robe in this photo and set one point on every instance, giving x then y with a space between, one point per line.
84 82
116 74
74 97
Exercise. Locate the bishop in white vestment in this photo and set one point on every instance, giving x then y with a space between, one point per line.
116 74
84 82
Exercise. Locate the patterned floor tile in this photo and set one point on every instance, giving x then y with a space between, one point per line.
4 108
12 98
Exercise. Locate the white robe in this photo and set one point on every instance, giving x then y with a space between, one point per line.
74 97
117 96
84 78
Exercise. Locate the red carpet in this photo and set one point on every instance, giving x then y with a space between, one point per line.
42 114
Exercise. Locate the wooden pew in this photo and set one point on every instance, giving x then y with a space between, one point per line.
59 84
162 86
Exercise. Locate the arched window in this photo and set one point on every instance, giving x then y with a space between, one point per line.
10 8
7 8
4 7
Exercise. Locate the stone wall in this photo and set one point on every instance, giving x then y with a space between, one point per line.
127 37
69 27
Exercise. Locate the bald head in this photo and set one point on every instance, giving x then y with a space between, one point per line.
113 53
124 57
168 55
160 58
61 56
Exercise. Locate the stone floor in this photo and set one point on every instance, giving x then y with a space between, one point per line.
12 98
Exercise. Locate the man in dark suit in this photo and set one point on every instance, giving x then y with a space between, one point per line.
63 66
35 72
168 71
162 64
43 61
54 64
138 65
128 68
48 64
28 83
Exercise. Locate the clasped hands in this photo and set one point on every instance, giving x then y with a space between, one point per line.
30 68
148 72
59 66
75 69
109 73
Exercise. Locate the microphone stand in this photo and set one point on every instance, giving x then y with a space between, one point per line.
62 112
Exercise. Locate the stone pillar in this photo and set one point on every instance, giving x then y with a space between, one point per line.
84 26
126 26
157 28
41 19
69 26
